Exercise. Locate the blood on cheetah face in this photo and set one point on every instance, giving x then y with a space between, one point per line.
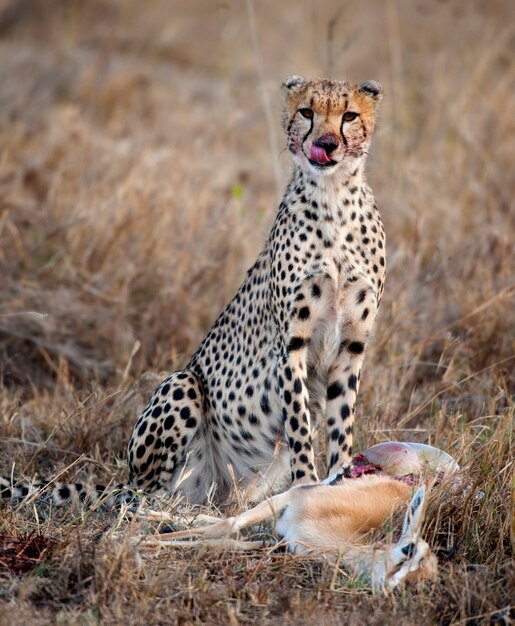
329 123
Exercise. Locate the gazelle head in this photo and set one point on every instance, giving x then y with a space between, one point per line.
410 559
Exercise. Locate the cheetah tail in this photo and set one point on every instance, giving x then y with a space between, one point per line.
60 494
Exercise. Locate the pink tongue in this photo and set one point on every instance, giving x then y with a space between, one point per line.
317 154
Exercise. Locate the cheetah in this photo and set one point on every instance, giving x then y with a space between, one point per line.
284 357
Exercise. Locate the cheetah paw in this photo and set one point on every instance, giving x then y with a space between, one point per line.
334 479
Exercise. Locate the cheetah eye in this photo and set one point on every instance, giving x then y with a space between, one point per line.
307 113
349 116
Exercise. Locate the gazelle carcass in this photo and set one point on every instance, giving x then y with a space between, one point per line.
334 520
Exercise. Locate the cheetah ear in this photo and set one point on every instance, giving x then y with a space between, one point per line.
293 82
372 88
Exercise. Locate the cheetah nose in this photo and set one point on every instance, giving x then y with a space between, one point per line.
328 142
323 147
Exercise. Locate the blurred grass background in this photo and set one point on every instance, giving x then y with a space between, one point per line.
141 163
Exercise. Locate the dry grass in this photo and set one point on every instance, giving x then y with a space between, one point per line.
137 183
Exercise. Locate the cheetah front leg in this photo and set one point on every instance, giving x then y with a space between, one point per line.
296 417
310 301
360 306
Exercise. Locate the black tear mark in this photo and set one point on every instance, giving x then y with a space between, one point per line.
307 134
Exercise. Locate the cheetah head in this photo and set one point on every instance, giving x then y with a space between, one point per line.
329 123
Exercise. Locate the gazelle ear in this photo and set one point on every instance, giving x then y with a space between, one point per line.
414 515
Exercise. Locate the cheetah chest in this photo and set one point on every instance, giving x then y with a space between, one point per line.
346 297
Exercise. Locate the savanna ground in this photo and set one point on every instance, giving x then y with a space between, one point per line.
141 163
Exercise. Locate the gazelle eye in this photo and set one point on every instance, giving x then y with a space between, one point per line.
409 550
349 116
307 113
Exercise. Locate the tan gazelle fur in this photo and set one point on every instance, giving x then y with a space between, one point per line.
334 520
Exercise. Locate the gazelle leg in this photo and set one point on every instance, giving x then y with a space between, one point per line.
267 509
236 544
160 516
